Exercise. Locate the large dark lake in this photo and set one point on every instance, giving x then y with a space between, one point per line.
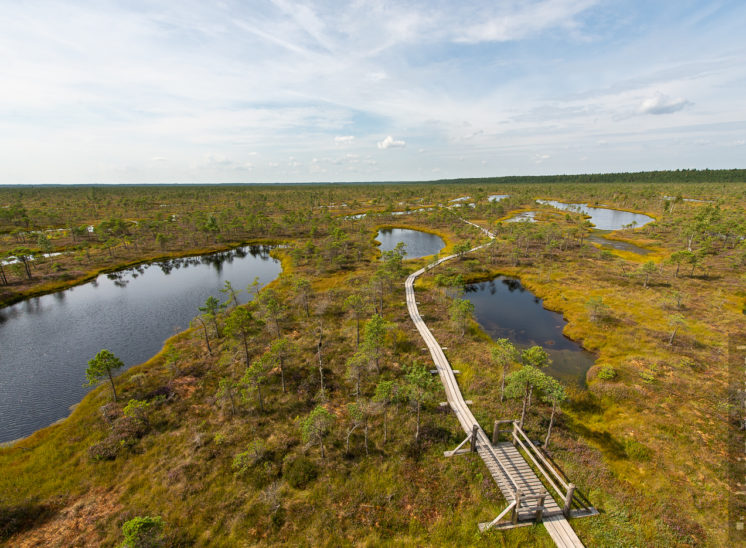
46 342
419 244
506 309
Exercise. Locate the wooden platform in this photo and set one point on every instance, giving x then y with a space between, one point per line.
506 464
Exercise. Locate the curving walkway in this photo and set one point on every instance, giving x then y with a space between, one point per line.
506 464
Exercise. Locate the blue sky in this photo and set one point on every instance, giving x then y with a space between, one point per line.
198 91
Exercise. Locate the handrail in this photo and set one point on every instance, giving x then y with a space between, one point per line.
455 394
497 460
528 452
498 518
556 475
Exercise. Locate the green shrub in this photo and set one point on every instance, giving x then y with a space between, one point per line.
607 373
143 532
299 472
647 376
256 452
219 439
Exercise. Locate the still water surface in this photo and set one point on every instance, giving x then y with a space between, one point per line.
604 218
46 342
506 309
419 244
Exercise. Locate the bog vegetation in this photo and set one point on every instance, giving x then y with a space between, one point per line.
309 416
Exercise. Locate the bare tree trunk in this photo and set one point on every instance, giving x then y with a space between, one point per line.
207 339
523 410
502 384
551 423
113 388
347 440
245 347
259 396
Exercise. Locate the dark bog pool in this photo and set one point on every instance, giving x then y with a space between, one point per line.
46 342
599 237
419 244
604 218
506 309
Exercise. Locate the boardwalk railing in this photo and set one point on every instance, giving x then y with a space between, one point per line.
528 499
573 503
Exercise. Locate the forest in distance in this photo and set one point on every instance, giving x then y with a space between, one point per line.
308 415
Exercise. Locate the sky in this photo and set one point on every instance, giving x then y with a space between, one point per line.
189 91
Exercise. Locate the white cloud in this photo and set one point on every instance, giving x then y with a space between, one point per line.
390 142
318 79
522 19
662 104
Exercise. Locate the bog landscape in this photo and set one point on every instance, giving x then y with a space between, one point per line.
270 384
381 273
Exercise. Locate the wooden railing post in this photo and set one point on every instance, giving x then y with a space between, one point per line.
540 506
568 500
517 507
515 434
496 432
474 432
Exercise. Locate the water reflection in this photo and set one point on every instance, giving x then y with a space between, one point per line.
604 218
47 341
419 244
506 309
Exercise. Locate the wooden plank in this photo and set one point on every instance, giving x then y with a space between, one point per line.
505 463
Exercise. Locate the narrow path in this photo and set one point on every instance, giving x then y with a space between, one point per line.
507 466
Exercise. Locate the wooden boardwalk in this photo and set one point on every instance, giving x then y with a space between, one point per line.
506 464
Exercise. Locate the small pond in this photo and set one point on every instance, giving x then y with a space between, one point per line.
412 211
523 217
506 309
599 237
497 197
418 243
604 218
47 341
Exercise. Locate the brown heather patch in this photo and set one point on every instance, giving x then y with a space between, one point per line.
80 523
185 386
